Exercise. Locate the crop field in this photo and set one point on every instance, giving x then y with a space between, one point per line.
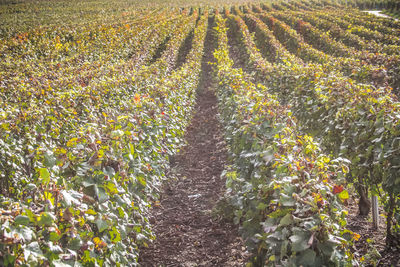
103 104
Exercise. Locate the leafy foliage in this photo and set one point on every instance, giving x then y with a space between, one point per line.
82 165
280 183
350 119
95 97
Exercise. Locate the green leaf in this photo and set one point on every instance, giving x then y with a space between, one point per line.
54 236
44 175
101 225
90 189
268 156
71 197
21 220
117 133
141 180
60 263
343 195
102 195
299 241
307 258
111 188
287 220
132 149
30 187
327 248
33 252
287 201
262 206
279 213
75 243
55 248
26 233
115 235
30 215
47 219
49 160
9 260
284 248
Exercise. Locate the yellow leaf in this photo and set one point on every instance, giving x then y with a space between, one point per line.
72 142
345 169
343 195
49 196
91 212
356 236
99 243
96 240
272 258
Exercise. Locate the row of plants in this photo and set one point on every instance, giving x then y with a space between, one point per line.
295 19
346 37
268 45
306 5
294 42
24 73
299 5
354 121
380 64
362 31
383 28
25 15
363 66
386 70
370 4
392 13
317 38
360 4
374 23
283 189
80 169
29 104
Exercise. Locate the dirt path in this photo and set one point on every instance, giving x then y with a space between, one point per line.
187 233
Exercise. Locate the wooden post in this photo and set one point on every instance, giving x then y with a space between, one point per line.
375 212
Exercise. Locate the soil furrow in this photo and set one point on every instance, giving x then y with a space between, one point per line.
187 233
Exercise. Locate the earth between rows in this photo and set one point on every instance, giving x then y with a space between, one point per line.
187 231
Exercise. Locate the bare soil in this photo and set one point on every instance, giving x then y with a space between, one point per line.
187 233
372 243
